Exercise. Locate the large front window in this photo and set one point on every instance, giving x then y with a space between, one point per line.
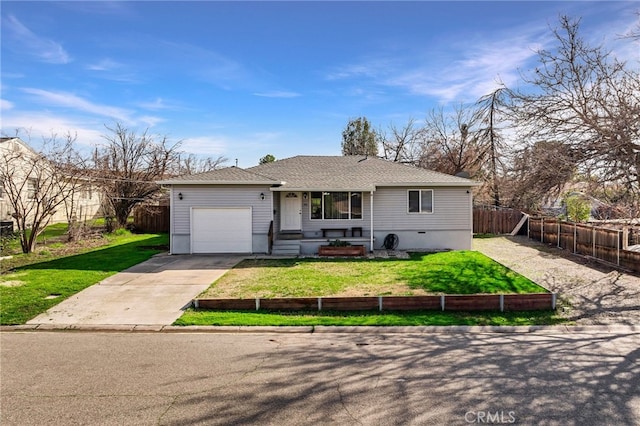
336 205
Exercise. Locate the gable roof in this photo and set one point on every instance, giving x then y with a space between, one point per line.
321 173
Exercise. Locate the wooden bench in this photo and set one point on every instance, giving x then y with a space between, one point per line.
342 230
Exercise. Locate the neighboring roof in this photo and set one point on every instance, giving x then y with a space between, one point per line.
229 176
18 141
337 173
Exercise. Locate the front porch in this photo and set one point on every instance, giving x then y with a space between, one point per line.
295 243
305 220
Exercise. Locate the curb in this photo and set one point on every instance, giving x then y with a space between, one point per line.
453 329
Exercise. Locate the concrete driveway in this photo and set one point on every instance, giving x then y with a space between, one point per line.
154 292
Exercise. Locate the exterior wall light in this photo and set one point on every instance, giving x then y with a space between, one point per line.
180 195
262 195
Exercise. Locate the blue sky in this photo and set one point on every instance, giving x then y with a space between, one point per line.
245 79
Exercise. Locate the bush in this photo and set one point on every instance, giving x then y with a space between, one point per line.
339 243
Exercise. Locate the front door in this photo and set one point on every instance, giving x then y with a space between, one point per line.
291 206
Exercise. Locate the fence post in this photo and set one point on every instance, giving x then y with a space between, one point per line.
542 229
593 238
575 237
618 247
558 234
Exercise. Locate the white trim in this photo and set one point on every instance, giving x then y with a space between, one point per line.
433 201
371 215
339 219
218 182
172 211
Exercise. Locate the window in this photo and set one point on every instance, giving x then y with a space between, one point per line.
336 205
85 193
32 188
420 201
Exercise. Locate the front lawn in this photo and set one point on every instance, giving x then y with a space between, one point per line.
29 290
408 318
455 272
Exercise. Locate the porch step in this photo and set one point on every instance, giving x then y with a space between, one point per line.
286 248
290 235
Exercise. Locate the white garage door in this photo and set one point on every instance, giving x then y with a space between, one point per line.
221 230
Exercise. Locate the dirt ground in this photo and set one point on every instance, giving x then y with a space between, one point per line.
590 293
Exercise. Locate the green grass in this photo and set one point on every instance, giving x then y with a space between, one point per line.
243 318
24 290
455 272
54 231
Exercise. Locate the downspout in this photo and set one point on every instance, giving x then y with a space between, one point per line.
371 214
470 191
171 213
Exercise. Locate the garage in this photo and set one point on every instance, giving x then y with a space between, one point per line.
221 230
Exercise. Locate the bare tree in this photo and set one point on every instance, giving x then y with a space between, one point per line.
590 102
191 164
128 165
634 34
38 184
538 174
402 144
451 142
492 109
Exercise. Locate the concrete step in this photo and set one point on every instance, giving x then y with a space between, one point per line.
286 248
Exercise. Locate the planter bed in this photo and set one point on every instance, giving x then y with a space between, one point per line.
472 302
357 250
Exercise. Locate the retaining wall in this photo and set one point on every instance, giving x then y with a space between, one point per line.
450 302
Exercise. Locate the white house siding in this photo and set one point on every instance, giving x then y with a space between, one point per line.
87 202
448 227
219 196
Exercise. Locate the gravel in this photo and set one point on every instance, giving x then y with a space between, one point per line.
590 293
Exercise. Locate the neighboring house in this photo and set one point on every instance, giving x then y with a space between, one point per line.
86 201
300 203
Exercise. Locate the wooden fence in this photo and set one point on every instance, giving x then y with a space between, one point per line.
151 219
605 244
492 220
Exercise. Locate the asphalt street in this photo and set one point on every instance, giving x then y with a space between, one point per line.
454 378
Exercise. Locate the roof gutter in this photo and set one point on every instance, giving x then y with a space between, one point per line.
217 182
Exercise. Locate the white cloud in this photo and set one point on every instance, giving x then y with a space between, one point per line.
70 100
277 94
5 104
150 121
205 145
156 105
45 49
463 71
34 126
109 69
104 65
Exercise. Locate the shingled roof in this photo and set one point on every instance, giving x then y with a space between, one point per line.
336 173
227 176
